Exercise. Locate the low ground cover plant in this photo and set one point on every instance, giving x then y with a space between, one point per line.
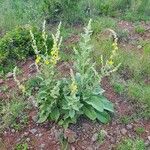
64 100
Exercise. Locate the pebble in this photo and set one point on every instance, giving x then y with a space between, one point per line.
129 126
40 134
35 118
139 46
1 81
9 75
33 131
42 145
28 139
123 131
95 137
26 133
13 130
104 132
147 143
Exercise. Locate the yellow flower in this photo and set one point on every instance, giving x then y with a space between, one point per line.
22 88
46 62
73 87
38 58
110 62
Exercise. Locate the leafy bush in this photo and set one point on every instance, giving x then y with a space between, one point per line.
65 99
16 45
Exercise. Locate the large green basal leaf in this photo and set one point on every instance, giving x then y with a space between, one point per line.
108 105
96 102
103 117
89 111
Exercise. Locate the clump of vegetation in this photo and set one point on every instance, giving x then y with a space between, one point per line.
64 100
11 111
16 45
129 144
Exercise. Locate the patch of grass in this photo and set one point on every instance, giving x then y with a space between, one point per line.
118 87
139 130
101 136
129 144
125 119
22 146
139 29
102 23
10 111
139 92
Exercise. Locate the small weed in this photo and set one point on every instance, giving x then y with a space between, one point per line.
139 29
10 111
119 87
125 119
101 136
139 130
129 144
22 146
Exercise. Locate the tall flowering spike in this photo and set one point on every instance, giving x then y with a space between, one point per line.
56 45
34 45
115 48
44 36
73 86
20 86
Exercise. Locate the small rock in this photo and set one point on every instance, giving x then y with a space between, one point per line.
33 131
104 132
9 75
70 135
95 137
148 138
40 134
73 148
28 139
129 126
112 140
13 130
42 145
147 143
26 133
1 81
35 118
139 46
123 131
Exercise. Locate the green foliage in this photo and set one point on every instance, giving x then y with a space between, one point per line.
22 146
129 144
10 111
125 119
119 87
16 45
140 92
14 13
139 130
65 99
140 29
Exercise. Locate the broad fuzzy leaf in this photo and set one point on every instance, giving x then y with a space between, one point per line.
89 112
96 102
103 117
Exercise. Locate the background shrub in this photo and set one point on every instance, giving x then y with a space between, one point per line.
16 45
